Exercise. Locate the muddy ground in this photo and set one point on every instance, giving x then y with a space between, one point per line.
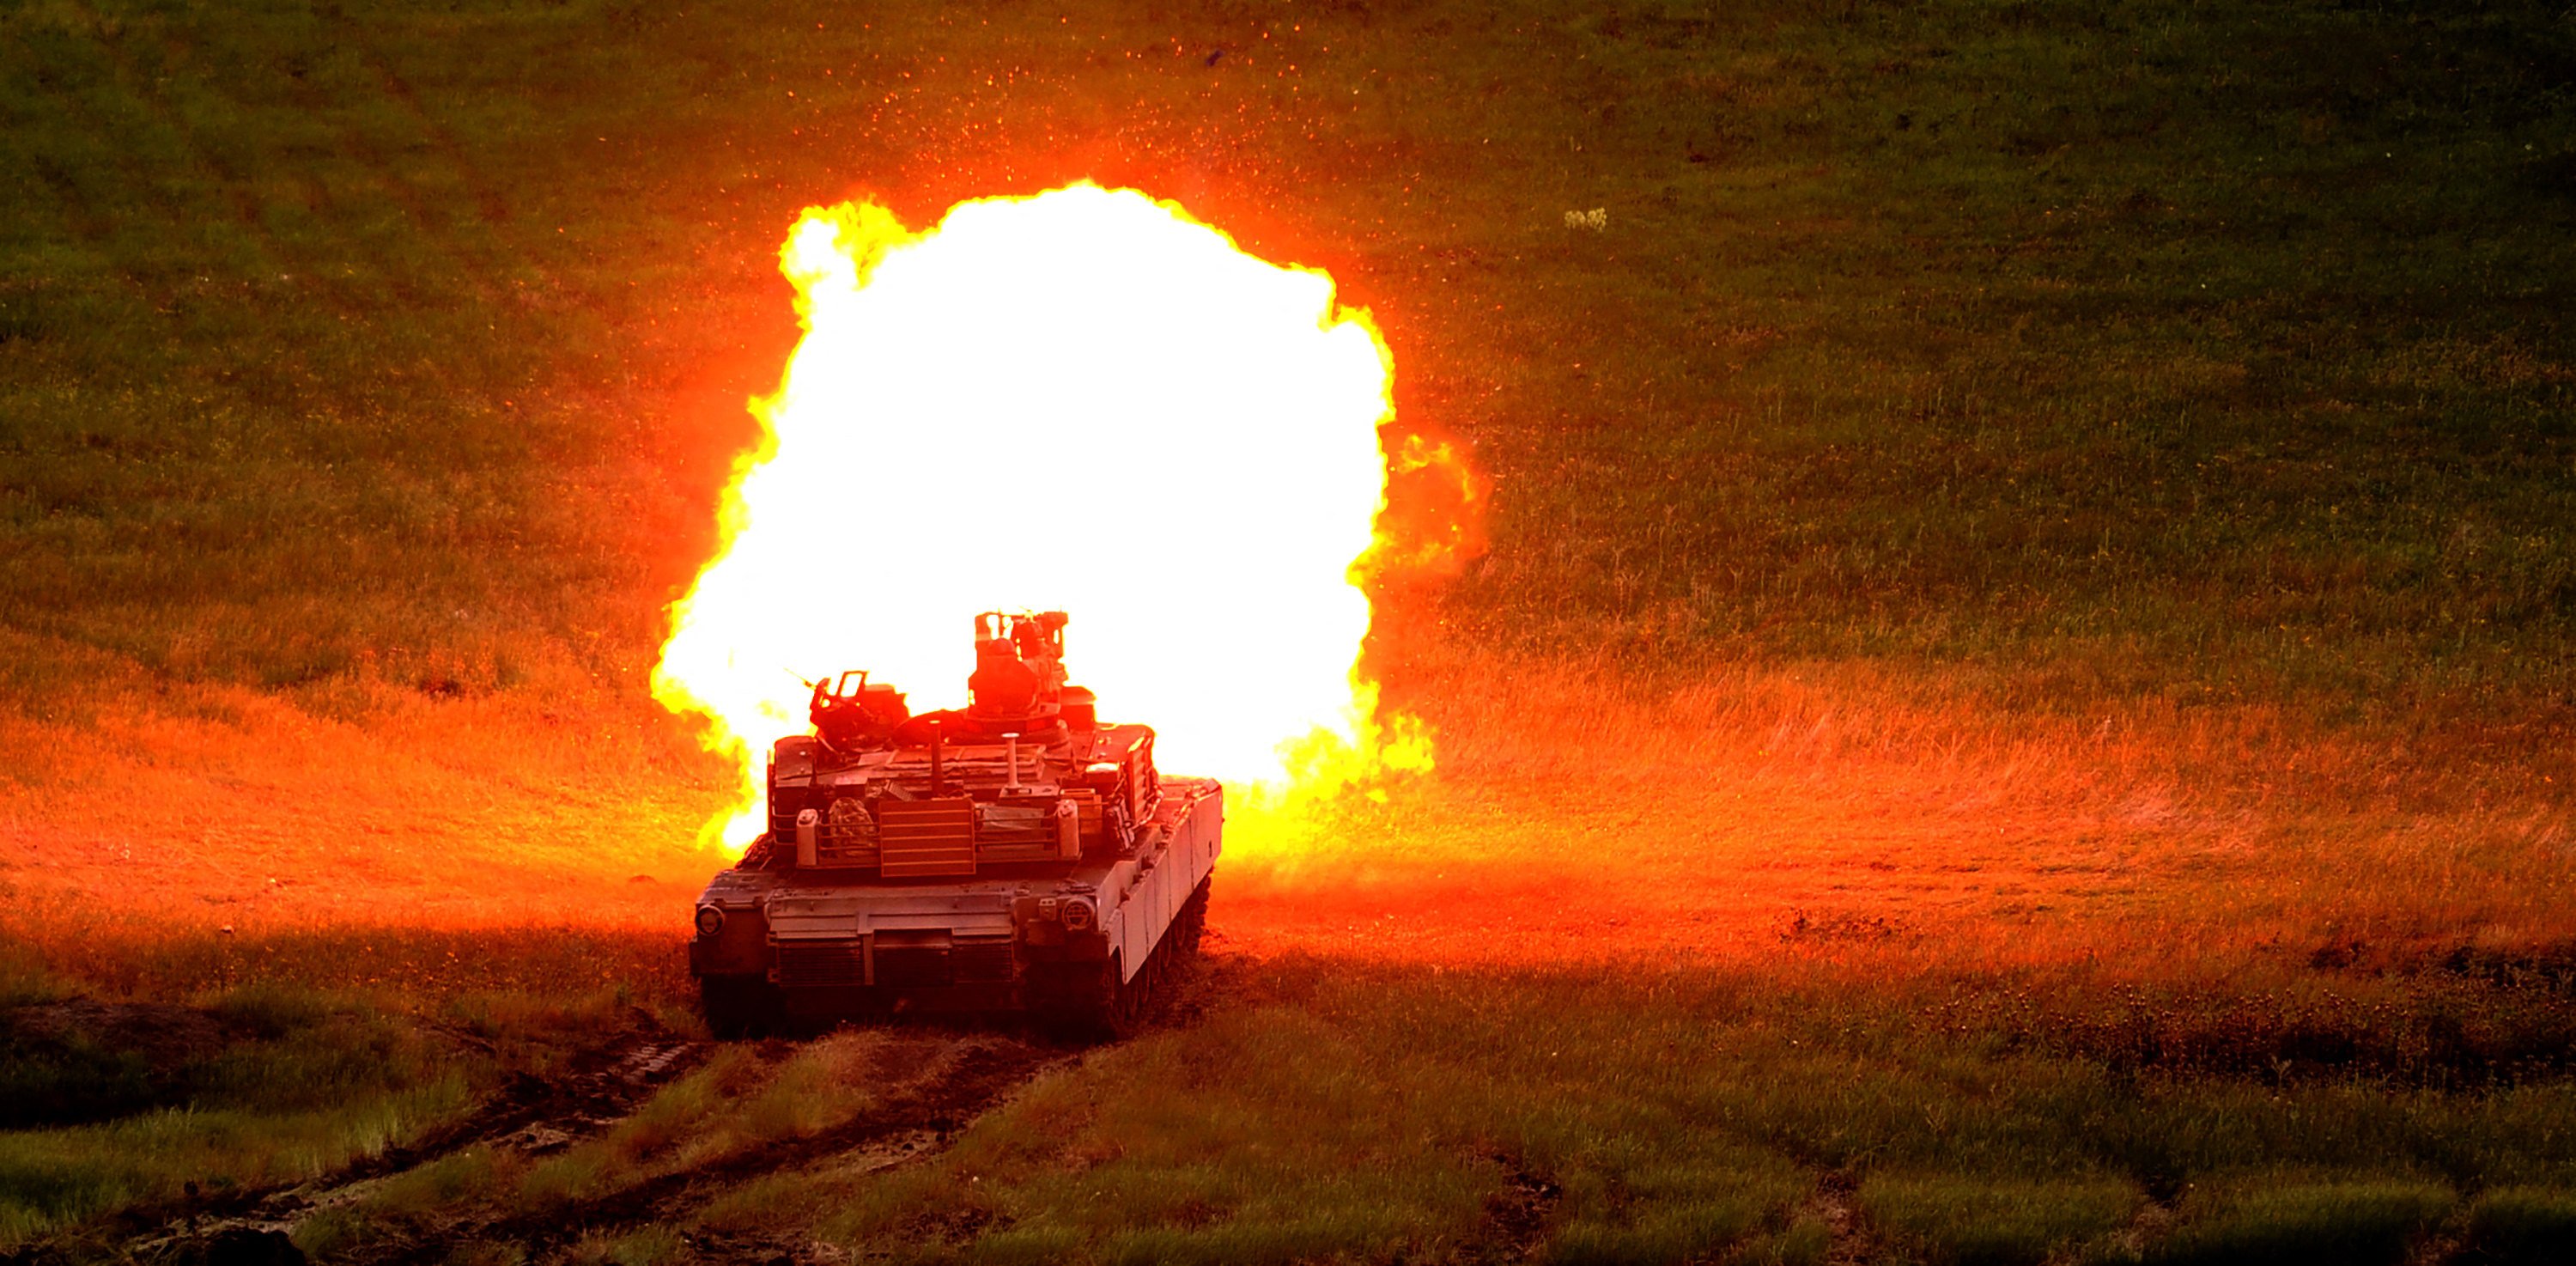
933 1079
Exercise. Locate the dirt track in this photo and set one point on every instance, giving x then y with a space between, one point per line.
930 1081
935 1081
600 1084
956 1077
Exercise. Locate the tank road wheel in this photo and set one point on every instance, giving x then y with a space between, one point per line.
1122 998
1193 921
1106 1006
1093 1006
738 1006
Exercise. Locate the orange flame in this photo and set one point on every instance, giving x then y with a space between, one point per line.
1082 400
1438 528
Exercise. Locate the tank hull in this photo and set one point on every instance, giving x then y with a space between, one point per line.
1080 940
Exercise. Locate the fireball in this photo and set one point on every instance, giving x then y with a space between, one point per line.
1083 400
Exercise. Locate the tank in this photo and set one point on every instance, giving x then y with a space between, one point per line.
1013 856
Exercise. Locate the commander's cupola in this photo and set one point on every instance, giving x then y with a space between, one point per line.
1019 682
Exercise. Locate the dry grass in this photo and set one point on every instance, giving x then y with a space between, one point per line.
1824 809
1843 809
1669 954
1926 520
205 805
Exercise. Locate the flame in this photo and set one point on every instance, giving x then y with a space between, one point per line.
1432 526
1083 400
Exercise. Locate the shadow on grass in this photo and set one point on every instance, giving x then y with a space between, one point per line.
2352 1222
2524 1226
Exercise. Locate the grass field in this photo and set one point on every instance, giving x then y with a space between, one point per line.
2018 704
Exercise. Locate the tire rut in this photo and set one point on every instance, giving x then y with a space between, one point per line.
1517 1217
918 1118
1847 1237
947 1078
599 1085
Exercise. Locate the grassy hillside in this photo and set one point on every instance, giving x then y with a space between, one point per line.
2205 350
2017 707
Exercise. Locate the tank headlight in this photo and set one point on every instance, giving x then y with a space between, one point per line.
710 920
1077 913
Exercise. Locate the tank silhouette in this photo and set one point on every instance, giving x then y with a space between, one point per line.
1015 855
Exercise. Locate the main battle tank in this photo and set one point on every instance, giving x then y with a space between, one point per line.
1013 855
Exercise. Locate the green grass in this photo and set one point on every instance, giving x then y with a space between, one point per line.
1329 1108
77 1079
1678 1116
321 1064
735 1104
314 1083
2343 1221
1966 1220
2524 1224
2167 359
2203 351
